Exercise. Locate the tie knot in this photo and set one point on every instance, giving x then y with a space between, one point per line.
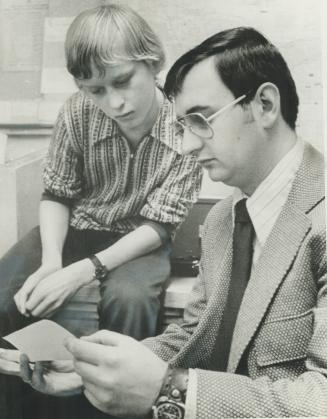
241 212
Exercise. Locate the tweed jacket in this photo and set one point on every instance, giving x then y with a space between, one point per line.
281 327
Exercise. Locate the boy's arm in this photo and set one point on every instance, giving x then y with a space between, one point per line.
54 219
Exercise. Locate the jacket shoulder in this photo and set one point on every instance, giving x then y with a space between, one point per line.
218 212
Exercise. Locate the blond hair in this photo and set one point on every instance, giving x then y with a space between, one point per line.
106 34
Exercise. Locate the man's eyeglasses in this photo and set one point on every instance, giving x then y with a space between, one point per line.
199 124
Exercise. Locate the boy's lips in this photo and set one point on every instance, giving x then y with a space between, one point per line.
124 115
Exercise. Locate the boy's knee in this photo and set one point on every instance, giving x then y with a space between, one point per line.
126 295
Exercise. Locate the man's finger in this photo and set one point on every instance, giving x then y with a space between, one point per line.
9 367
105 337
89 373
62 366
10 355
25 369
90 352
37 376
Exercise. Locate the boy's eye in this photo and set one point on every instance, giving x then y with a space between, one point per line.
97 91
122 82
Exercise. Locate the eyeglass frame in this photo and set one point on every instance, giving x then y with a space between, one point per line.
210 118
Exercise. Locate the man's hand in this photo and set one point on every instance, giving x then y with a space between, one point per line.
31 282
56 378
57 288
9 362
120 375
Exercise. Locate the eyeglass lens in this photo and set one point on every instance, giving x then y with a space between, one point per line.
196 123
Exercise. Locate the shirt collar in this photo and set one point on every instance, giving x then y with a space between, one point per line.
163 129
267 201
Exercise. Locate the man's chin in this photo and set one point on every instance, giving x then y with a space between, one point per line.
216 175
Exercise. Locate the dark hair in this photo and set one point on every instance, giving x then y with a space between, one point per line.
244 59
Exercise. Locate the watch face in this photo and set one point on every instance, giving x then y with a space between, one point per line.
101 273
170 410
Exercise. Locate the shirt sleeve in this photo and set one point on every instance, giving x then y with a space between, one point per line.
170 202
48 196
190 403
164 230
62 174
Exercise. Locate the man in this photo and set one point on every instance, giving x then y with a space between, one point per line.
253 341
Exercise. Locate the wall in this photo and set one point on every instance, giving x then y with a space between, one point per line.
20 191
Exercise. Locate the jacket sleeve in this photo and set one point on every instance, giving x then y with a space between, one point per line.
175 337
170 344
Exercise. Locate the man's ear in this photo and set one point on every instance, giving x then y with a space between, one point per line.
266 104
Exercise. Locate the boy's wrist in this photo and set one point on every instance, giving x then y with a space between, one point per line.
52 260
100 271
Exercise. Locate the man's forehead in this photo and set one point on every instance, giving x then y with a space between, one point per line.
185 100
202 87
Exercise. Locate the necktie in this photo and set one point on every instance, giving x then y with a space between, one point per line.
241 270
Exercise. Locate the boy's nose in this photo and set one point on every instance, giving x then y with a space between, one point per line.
114 100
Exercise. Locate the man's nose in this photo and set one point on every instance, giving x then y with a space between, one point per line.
191 142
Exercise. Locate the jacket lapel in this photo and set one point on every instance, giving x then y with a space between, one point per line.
279 252
273 265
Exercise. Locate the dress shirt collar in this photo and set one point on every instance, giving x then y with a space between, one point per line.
266 203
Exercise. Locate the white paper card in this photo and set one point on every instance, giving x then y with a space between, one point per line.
41 341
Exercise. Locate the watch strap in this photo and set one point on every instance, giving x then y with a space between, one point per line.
175 384
171 399
101 270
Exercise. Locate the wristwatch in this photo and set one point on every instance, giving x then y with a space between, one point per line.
170 403
101 271
168 408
